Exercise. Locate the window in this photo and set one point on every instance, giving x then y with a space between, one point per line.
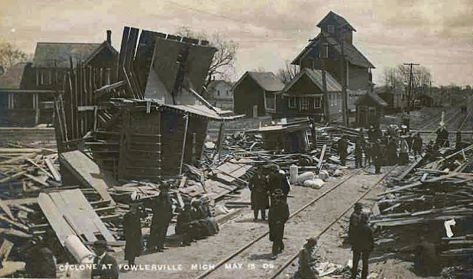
270 101
304 104
323 51
317 102
292 102
218 92
330 28
44 77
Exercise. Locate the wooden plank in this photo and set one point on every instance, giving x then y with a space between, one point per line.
16 224
55 219
75 199
408 170
77 220
20 201
5 249
87 172
40 168
11 177
321 158
55 173
6 209
35 179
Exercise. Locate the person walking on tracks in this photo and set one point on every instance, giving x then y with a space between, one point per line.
378 156
277 180
308 258
259 194
354 221
278 216
342 149
162 215
359 146
362 245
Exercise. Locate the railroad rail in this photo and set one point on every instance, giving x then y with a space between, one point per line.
294 257
307 205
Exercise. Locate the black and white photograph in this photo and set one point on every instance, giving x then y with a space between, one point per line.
219 139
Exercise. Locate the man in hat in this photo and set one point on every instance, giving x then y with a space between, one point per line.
278 216
354 221
403 151
362 245
184 224
417 145
40 261
259 194
132 231
378 155
162 215
308 258
342 149
105 266
277 180
208 215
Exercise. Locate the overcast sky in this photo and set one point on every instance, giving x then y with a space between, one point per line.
438 34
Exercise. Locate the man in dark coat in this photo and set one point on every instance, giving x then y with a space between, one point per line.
105 266
259 194
208 214
278 216
354 221
342 149
308 258
417 145
362 245
442 137
376 152
184 224
40 262
200 228
132 231
277 180
162 215
359 145
391 151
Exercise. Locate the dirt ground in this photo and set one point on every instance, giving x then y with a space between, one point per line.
255 262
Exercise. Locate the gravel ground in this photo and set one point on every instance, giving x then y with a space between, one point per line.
188 262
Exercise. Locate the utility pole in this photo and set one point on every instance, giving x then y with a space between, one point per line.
343 74
409 94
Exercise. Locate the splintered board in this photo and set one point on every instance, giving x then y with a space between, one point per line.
69 213
87 172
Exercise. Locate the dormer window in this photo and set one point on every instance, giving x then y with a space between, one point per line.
323 51
330 28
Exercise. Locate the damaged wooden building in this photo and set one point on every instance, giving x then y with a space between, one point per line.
150 121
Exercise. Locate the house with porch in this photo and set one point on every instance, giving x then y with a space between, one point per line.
220 94
30 102
254 94
311 93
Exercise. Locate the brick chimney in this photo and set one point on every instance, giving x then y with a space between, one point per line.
109 36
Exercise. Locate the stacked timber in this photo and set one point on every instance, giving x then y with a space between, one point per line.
432 199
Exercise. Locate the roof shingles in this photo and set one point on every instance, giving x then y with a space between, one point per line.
58 54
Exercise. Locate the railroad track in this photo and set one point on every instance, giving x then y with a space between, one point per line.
308 205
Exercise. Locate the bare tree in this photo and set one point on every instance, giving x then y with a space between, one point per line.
10 55
287 73
223 61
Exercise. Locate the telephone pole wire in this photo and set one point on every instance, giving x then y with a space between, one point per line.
409 94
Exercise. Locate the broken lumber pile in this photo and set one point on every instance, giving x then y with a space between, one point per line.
433 198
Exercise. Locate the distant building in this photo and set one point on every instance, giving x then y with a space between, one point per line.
325 52
369 110
254 94
305 96
393 96
30 100
221 94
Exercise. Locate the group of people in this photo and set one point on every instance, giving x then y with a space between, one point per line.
269 189
381 149
360 237
196 221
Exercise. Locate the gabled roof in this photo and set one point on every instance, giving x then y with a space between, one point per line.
374 97
316 77
353 55
57 54
12 78
266 80
337 18
214 83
